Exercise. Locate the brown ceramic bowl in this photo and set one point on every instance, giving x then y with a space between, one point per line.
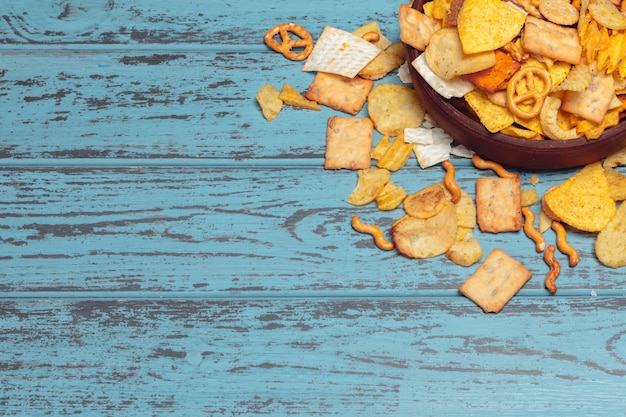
453 116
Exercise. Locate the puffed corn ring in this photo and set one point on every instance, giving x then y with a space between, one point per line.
561 243
531 232
481 163
449 182
555 268
373 230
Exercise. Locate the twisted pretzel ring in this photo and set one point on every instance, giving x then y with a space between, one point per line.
528 75
285 48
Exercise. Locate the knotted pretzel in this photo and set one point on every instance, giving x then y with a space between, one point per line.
533 92
287 43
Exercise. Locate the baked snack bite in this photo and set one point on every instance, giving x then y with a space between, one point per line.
495 281
348 143
340 93
498 204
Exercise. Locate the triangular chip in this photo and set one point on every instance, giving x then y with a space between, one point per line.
339 52
492 116
486 25
291 96
583 201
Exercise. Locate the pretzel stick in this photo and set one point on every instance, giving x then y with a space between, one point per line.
531 232
481 163
561 243
555 268
373 230
449 182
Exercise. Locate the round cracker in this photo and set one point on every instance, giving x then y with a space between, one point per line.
394 107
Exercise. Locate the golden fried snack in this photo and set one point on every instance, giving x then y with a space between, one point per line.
481 163
285 48
555 268
561 243
449 181
373 230
514 98
531 232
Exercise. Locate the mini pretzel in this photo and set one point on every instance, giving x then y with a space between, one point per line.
562 244
555 268
285 48
481 163
531 232
528 75
375 231
449 182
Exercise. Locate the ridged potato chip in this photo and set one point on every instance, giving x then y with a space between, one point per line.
390 197
370 182
394 107
578 79
397 155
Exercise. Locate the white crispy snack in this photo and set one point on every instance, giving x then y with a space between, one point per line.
340 52
495 281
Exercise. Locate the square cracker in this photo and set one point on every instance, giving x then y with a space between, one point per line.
495 281
349 143
340 93
499 204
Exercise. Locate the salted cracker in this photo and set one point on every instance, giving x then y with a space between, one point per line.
495 281
498 204
340 52
348 143
340 93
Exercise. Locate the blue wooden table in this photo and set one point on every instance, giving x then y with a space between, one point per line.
167 251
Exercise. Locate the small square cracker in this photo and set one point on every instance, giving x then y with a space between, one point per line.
349 143
499 204
340 93
495 281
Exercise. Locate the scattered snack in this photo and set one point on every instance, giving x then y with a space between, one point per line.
426 237
385 62
340 93
583 201
616 159
531 232
532 90
617 183
427 202
397 154
370 182
394 107
304 44
292 97
348 143
498 169
498 204
495 281
430 145
373 28
268 99
561 243
466 211
390 197
381 148
611 241
415 27
466 249
340 52
450 183
545 221
530 197
555 269
377 234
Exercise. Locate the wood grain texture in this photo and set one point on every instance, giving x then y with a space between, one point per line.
423 356
166 251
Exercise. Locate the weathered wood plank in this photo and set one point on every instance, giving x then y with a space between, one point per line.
230 230
344 357
220 23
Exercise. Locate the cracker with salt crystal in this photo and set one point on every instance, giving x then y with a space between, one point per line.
340 52
340 93
495 281
498 204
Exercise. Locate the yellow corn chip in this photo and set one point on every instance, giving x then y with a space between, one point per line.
486 25
492 116
292 97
